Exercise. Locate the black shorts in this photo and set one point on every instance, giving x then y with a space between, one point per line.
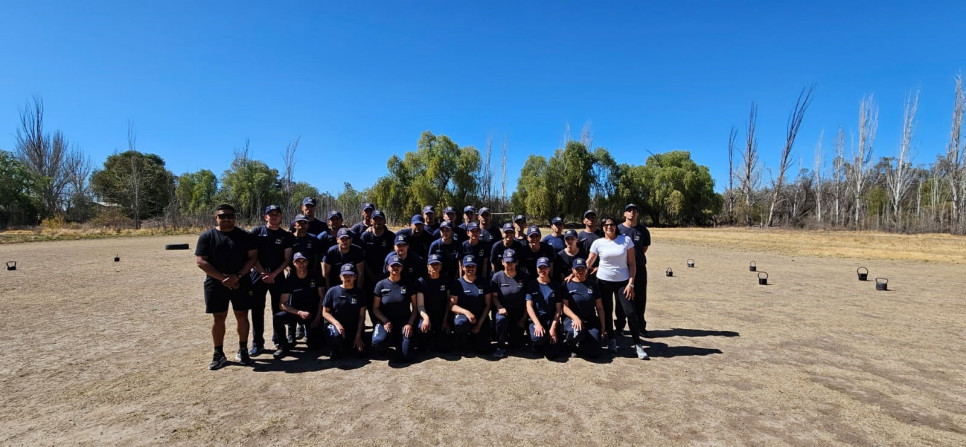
218 296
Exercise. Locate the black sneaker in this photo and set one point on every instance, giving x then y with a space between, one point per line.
299 332
242 358
290 338
256 350
281 352
217 361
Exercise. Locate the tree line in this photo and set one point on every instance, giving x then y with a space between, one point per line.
46 178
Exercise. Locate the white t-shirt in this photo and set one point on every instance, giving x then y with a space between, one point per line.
613 257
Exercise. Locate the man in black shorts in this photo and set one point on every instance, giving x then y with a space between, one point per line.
226 254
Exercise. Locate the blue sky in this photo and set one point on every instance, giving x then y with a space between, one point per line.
359 81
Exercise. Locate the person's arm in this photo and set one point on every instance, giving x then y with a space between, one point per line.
318 313
591 268
358 344
421 308
283 303
487 300
537 326
632 269
270 277
456 309
377 312
408 328
327 314
500 308
556 322
599 304
210 270
360 279
570 312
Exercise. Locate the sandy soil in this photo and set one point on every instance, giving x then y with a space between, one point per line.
96 352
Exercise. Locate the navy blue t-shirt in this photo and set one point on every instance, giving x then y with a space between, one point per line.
480 252
470 295
496 253
395 298
336 259
582 298
376 248
527 258
344 305
557 242
511 291
418 243
435 296
450 254
544 298
414 266
563 266
316 226
311 247
641 238
305 291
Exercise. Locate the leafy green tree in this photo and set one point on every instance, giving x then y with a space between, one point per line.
136 181
20 190
249 185
196 193
532 196
679 191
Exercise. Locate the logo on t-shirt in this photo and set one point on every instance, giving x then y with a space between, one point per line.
312 283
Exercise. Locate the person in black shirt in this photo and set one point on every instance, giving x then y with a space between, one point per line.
501 246
345 310
450 250
316 226
641 237
509 300
414 265
471 297
490 232
449 216
329 238
419 238
590 232
361 226
584 325
301 303
395 312
432 300
556 238
565 257
533 250
429 219
226 254
478 248
344 253
544 308
520 228
274 255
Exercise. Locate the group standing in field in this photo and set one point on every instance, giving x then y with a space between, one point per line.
464 286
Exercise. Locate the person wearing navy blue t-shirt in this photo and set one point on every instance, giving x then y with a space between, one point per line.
544 308
274 255
499 247
432 300
556 238
510 302
394 309
479 249
301 302
565 258
449 250
414 265
344 309
471 297
584 310
344 253
533 250
418 236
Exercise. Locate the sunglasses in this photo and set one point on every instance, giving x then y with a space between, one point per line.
610 225
225 216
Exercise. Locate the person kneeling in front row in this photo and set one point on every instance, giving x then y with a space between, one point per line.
471 299
394 306
344 309
301 302
584 309
543 306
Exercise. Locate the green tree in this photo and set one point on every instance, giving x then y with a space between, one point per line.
20 190
196 193
250 185
679 191
532 196
136 181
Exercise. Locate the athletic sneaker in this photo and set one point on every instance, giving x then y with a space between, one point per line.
612 346
499 353
217 361
243 358
256 350
281 352
641 354
299 332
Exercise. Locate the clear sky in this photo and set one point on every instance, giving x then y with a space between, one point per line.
359 81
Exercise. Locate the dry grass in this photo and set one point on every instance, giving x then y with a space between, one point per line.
824 243
79 233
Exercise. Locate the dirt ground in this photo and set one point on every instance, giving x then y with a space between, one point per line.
96 352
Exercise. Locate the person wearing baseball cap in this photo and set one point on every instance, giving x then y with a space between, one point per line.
641 236
418 237
449 215
366 213
584 311
226 254
274 255
329 238
469 215
509 300
429 219
472 298
394 313
344 252
316 226
301 302
479 249
344 309
533 250
544 308
489 232
432 300
508 242
590 233
555 238
414 265
377 243
311 248
565 258
449 250
520 228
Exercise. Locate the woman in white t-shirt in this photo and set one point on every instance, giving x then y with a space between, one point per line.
615 278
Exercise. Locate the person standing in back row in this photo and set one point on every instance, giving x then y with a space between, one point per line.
226 254
274 255
316 226
615 279
641 237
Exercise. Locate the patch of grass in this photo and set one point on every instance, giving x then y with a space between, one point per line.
70 234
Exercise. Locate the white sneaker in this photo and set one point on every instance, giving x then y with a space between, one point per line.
641 354
612 346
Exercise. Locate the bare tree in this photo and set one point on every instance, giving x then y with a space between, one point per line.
750 174
506 146
818 177
486 173
791 131
587 137
955 159
732 140
839 184
862 155
136 181
49 157
898 176
288 160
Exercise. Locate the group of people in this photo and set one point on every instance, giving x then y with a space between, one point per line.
470 285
